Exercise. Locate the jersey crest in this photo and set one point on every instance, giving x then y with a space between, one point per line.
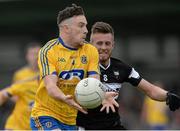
84 59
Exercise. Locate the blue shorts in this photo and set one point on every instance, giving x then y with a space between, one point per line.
49 123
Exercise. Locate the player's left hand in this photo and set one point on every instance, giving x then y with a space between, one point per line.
109 102
173 101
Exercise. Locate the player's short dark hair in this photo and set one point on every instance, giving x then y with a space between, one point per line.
102 27
69 12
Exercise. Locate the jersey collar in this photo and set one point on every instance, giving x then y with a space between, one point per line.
63 44
105 68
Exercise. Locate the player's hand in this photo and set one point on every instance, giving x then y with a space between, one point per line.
109 102
173 101
70 101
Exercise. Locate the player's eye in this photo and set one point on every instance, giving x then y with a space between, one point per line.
81 25
108 43
99 43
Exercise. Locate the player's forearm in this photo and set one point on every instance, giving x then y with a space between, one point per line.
158 94
55 92
154 92
52 89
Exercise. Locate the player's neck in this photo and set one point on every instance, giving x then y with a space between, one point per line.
105 63
67 42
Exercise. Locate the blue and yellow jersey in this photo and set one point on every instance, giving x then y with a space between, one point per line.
20 117
24 73
70 65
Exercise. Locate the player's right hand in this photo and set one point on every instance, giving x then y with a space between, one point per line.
70 101
109 102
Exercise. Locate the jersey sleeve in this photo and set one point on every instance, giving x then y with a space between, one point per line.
14 89
93 67
46 61
134 78
128 73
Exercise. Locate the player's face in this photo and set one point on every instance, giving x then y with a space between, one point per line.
32 56
78 30
104 42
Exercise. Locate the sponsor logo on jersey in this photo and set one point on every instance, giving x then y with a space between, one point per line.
112 87
115 87
69 75
84 59
116 73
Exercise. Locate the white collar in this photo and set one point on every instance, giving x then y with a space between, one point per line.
105 68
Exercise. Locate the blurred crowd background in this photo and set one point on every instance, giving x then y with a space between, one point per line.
147 37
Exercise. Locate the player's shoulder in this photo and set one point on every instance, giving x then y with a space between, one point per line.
118 62
88 46
119 65
22 70
50 43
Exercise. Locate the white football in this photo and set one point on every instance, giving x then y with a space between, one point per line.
89 93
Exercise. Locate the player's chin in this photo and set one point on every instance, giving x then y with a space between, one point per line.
82 43
103 58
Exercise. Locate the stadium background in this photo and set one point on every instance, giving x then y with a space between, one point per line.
147 35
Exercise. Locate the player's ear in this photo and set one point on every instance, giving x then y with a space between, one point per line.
67 25
66 28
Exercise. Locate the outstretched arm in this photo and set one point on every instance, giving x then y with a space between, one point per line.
153 91
159 94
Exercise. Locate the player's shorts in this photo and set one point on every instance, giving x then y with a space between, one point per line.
116 126
49 123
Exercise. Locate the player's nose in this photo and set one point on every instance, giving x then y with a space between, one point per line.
85 30
103 46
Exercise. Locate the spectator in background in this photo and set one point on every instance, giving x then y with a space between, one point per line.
155 114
